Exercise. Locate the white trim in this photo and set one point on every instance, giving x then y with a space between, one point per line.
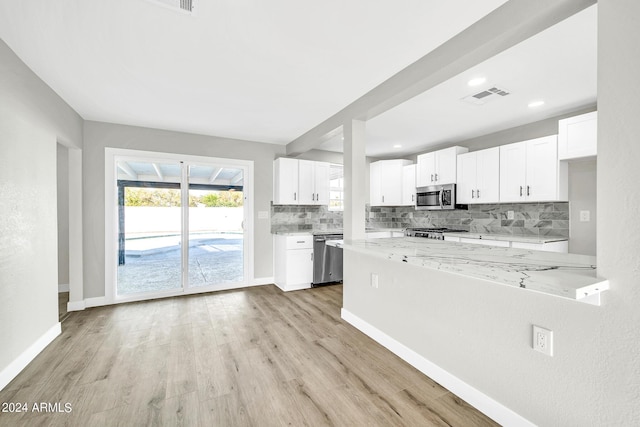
259 281
75 306
76 291
63 287
299 286
14 368
491 408
111 221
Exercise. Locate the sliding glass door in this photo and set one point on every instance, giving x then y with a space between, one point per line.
216 235
180 226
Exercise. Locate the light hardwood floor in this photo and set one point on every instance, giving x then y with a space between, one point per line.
251 357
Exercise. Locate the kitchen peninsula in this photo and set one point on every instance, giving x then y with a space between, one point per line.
463 313
566 275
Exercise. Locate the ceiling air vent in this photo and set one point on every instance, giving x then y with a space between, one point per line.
486 95
186 6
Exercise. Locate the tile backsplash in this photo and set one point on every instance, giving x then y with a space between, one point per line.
535 219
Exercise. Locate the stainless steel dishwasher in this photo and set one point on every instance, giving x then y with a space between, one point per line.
327 260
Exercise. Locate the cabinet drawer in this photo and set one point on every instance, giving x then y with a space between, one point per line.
299 242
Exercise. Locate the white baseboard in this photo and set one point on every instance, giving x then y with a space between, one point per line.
257 281
491 408
75 306
287 288
64 287
19 363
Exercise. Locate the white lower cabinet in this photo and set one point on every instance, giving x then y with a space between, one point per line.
293 266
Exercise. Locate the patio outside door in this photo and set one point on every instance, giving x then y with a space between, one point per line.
180 227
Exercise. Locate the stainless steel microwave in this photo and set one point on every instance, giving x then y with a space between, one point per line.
437 197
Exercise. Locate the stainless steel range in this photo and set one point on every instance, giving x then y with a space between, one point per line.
431 233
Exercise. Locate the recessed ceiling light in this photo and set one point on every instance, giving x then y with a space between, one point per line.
535 104
477 81
397 146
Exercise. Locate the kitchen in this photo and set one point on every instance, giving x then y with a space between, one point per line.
476 330
384 298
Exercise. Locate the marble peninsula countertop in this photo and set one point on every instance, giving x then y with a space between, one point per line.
510 237
566 275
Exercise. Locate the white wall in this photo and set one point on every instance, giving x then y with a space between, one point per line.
32 119
99 135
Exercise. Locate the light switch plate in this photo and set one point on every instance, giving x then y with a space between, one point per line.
510 215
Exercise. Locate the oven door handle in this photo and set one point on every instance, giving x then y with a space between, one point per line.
441 199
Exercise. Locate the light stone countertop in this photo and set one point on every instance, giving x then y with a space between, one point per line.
566 275
293 233
510 237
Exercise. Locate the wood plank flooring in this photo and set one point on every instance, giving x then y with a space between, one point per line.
250 357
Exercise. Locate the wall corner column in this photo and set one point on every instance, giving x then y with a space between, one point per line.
354 180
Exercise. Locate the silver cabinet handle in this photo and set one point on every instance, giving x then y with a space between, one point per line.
294 196
412 197
313 196
472 194
521 191
382 199
431 177
436 177
478 194
527 190
317 197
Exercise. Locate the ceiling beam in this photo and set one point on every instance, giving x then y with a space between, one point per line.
124 167
505 27
158 171
215 174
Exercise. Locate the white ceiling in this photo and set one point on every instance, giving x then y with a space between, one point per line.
248 69
558 65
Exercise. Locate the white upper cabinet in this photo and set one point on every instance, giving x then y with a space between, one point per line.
578 136
313 182
438 167
285 181
409 185
479 177
300 182
530 171
386 182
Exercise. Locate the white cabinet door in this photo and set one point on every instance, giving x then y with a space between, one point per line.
306 182
391 182
386 182
299 267
513 162
446 165
487 176
578 136
375 191
285 186
467 184
321 182
542 169
409 185
426 169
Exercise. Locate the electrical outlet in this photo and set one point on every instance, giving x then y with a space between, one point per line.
510 215
585 216
374 280
543 340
